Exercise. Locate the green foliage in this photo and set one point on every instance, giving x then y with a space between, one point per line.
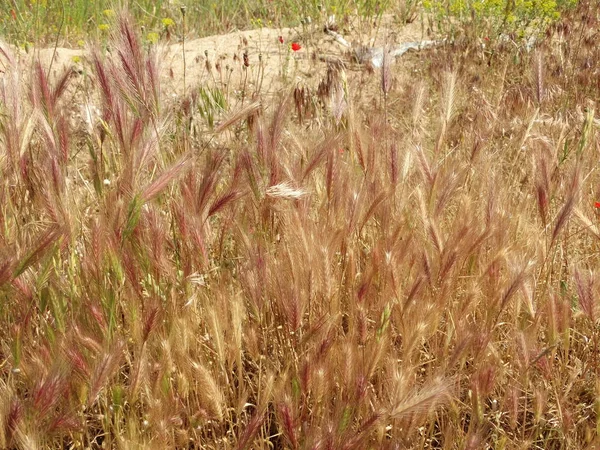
497 15
23 21
211 101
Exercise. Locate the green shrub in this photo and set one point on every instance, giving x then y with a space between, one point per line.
497 16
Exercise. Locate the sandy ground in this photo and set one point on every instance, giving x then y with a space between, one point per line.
271 63
218 61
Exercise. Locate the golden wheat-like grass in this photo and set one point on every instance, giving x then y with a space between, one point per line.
416 269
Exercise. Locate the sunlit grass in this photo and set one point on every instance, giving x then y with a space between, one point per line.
404 257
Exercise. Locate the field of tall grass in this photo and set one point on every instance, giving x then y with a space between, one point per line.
394 258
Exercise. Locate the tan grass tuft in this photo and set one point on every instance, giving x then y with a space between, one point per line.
210 395
423 401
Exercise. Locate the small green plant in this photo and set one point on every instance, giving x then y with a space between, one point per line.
211 103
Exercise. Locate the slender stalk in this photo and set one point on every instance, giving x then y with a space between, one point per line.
183 10
62 22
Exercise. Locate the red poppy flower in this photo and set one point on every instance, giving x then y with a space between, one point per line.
596 204
281 39
296 46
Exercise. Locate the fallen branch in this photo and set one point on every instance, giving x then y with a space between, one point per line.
374 55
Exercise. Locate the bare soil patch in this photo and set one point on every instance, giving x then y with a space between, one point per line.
245 63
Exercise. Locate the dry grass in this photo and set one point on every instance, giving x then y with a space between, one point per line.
411 269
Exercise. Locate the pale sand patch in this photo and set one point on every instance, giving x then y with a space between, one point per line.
272 64
218 62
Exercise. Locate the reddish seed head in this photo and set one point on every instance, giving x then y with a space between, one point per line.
296 46
281 39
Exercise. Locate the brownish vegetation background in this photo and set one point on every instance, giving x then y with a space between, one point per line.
403 257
